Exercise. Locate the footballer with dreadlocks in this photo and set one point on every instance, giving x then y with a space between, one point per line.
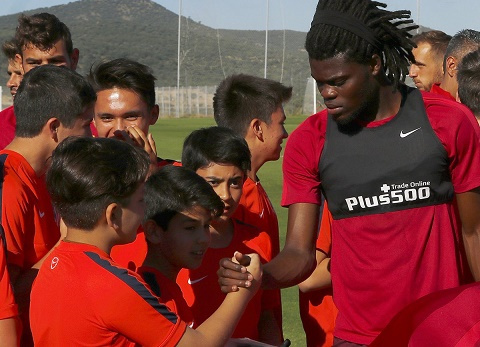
400 170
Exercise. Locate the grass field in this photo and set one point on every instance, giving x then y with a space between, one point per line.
169 135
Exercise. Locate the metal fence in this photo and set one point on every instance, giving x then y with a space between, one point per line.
186 101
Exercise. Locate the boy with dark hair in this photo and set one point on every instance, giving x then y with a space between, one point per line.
40 39
179 208
468 77
51 104
43 39
398 168
125 109
253 108
15 71
82 297
222 158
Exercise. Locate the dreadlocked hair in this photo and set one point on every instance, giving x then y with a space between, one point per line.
392 29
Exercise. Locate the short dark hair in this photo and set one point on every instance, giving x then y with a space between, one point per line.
176 189
42 30
437 39
124 74
50 91
81 191
462 43
241 98
468 78
390 29
10 49
215 145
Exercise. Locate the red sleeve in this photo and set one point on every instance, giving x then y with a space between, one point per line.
146 321
8 308
14 220
301 183
324 240
451 122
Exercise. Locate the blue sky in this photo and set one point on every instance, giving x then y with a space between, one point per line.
447 15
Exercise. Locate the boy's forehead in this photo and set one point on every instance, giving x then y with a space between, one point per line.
195 213
219 168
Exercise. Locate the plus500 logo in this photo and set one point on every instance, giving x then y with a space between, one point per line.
392 196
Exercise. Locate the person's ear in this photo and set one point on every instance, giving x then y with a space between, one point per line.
113 216
153 232
18 57
154 114
256 128
451 66
74 58
376 64
52 128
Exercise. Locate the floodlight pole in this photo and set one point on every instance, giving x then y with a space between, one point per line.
177 114
266 42
418 16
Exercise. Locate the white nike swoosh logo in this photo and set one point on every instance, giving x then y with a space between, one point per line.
41 214
402 134
196 281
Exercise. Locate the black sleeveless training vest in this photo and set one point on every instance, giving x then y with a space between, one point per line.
396 166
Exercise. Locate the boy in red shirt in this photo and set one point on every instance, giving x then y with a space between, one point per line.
8 308
179 208
222 158
125 109
253 108
82 297
51 104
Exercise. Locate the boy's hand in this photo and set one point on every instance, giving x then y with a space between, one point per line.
255 269
136 137
234 274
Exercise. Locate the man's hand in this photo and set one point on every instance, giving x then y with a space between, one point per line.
233 273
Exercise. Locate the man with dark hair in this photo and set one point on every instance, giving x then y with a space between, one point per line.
427 68
462 43
253 108
52 103
15 71
43 39
468 77
125 109
397 167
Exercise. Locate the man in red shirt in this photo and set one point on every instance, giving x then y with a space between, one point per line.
398 168
469 82
427 69
28 219
15 71
461 44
